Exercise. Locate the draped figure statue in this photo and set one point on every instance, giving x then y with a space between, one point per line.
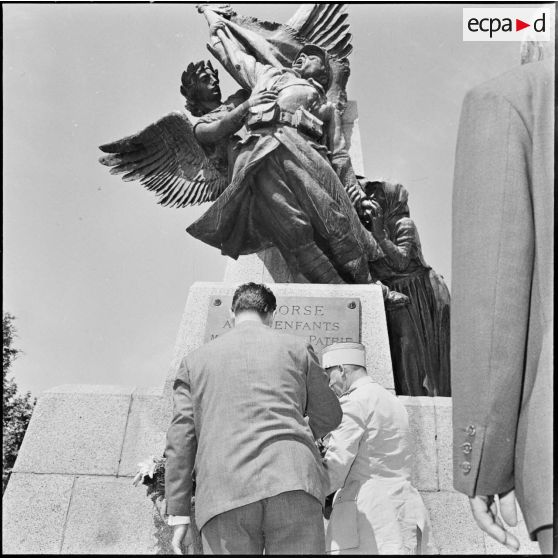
419 334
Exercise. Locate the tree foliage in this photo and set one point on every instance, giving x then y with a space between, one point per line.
17 408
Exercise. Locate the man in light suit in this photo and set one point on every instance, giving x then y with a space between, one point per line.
502 297
247 409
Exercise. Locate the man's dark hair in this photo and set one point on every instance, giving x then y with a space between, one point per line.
255 297
190 80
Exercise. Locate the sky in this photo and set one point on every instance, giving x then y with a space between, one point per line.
95 271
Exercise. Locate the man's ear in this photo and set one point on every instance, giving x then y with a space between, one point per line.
270 318
232 317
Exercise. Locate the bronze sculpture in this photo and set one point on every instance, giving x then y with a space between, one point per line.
285 190
315 225
168 157
288 181
418 334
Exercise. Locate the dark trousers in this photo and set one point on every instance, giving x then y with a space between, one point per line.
289 523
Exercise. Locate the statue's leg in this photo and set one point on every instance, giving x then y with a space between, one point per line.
350 257
315 265
278 213
321 197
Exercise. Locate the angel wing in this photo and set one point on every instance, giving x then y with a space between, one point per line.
324 25
168 160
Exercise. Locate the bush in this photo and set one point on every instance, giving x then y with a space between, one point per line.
17 408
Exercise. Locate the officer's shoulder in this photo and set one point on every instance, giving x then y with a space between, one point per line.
366 391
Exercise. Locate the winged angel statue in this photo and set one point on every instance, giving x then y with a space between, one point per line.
288 182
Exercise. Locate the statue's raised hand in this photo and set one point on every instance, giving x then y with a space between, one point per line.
376 216
224 10
215 26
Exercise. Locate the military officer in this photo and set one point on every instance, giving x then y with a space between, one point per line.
368 459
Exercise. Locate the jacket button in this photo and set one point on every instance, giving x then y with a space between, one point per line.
465 467
467 447
471 430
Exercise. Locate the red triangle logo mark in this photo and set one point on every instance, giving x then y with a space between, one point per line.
519 25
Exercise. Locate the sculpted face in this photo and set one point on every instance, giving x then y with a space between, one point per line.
208 86
309 65
378 195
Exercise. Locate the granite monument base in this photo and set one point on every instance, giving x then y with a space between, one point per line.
71 490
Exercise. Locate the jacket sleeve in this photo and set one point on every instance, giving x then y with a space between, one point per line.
492 263
181 448
342 444
322 406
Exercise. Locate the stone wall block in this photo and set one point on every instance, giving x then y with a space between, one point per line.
454 529
146 431
422 426
75 432
109 515
444 441
34 511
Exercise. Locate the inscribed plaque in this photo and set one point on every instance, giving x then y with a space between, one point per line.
320 320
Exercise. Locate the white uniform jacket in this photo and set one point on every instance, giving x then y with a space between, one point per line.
377 510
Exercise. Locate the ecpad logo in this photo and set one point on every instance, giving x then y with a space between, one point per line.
507 24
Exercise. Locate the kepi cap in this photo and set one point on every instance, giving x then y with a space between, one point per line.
338 354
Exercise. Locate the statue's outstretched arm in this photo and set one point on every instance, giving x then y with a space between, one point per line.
340 158
242 66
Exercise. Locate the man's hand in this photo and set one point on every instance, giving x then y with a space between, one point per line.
485 514
181 537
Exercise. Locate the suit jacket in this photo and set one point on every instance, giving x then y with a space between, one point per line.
502 290
377 510
239 413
